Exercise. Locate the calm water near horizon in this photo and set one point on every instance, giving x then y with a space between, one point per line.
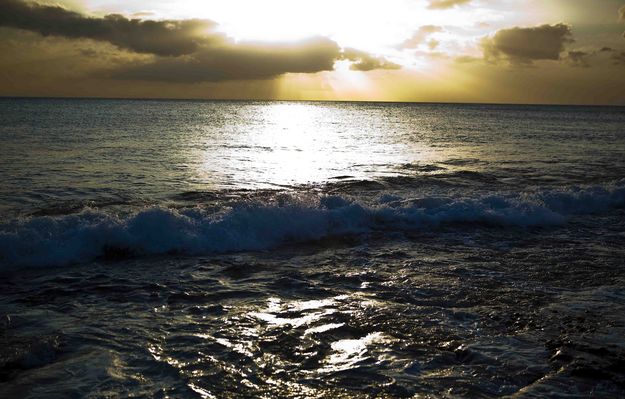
310 249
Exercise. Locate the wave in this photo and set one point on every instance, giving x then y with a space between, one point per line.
247 226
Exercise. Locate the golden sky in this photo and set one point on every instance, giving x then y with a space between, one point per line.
510 51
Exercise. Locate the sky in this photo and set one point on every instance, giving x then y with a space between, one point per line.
488 51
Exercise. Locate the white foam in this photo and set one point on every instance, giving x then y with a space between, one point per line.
82 237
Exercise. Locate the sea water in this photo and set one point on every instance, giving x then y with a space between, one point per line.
307 249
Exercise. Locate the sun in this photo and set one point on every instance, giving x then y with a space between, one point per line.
367 25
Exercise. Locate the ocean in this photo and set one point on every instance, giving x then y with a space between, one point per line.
225 249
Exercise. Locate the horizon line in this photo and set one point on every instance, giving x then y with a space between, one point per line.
26 97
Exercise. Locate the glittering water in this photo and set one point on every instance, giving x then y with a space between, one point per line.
276 249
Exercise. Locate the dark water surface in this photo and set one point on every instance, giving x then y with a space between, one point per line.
276 249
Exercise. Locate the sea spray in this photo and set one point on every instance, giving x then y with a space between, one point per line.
257 225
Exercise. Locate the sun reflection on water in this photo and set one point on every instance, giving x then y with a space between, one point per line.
348 353
275 307
283 144
279 340
345 353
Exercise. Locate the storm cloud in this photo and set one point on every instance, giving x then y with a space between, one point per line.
526 45
444 4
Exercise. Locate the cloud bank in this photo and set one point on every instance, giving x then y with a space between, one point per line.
240 61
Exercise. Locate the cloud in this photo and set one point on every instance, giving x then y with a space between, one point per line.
526 45
362 61
420 36
601 57
578 58
466 59
615 57
445 4
619 58
236 61
167 38
247 61
621 15
183 50
250 61
143 14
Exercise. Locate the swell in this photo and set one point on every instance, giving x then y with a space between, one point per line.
257 225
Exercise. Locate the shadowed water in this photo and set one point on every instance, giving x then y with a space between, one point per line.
249 249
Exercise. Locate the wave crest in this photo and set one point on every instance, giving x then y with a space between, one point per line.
90 234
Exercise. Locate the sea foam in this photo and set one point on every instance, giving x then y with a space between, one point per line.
249 226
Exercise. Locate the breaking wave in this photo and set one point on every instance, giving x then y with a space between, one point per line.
247 226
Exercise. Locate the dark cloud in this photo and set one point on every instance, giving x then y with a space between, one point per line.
444 4
237 61
597 58
362 61
613 56
89 52
420 36
242 61
526 45
578 58
167 38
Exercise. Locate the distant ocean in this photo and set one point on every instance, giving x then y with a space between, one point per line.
219 249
